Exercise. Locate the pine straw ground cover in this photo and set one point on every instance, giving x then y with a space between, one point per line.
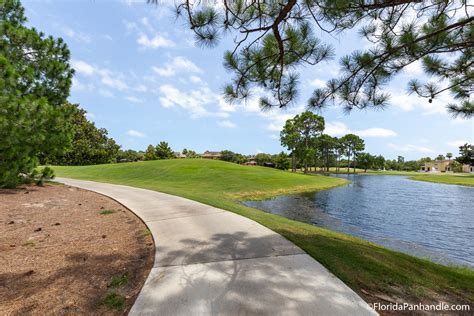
69 251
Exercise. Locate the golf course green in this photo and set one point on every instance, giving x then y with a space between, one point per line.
374 272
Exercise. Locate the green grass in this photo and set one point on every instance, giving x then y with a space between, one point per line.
107 212
449 178
118 280
114 301
367 268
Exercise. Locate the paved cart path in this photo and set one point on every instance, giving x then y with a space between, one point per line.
210 261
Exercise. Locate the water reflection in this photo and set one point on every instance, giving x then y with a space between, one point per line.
421 218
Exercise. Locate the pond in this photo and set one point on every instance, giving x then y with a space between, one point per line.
424 219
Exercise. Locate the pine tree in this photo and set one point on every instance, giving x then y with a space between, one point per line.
35 78
273 38
150 153
163 151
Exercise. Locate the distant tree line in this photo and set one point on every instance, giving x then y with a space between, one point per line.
278 161
310 149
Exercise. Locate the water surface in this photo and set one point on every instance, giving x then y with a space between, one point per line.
420 218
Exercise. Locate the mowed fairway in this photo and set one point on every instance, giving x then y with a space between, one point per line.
458 179
202 178
374 272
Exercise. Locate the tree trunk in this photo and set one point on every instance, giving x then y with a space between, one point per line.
327 160
348 162
354 163
293 167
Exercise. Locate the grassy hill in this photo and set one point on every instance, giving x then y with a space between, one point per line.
198 178
374 272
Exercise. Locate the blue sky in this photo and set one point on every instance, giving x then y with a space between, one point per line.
139 74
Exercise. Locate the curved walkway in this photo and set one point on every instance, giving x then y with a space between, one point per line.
209 261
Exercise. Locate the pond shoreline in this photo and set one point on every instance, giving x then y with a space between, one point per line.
332 209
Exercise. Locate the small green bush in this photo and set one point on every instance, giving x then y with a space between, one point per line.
119 280
114 301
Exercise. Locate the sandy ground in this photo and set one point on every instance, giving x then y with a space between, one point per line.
61 247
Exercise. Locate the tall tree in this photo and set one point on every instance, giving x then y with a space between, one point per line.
150 153
35 78
90 145
300 133
466 154
365 161
339 151
353 145
289 139
379 162
273 38
326 145
163 151
281 161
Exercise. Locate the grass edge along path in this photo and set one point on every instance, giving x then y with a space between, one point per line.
376 273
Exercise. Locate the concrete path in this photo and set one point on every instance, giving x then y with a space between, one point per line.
212 262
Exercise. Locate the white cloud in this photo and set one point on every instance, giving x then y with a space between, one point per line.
195 101
134 99
340 128
223 105
226 124
410 148
336 129
177 64
318 83
277 119
113 79
78 36
155 42
414 69
406 102
79 86
458 143
109 78
82 67
196 79
141 88
134 133
375 132
90 115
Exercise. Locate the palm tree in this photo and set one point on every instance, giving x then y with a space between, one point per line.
449 156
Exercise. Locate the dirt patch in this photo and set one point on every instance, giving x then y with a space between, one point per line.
69 251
